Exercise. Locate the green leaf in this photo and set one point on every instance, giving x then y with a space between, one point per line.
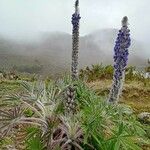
117 145
34 144
128 143
100 143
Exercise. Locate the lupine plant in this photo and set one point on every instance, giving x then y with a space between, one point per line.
120 58
70 93
75 41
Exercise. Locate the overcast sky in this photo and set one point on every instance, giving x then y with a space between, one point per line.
26 18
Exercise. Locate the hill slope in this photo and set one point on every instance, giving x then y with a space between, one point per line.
53 51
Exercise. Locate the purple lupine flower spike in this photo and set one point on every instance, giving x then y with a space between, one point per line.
75 41
71 90
121 53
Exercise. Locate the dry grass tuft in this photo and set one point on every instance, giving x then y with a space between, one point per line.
135 93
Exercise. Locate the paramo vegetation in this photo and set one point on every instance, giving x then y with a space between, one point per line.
68 113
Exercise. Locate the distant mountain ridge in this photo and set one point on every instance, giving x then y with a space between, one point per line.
53 51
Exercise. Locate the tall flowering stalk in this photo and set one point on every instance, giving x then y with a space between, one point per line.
123 42
75 41
71 90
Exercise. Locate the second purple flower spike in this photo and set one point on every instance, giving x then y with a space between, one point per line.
121 53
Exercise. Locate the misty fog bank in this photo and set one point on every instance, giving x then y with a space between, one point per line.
52 51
